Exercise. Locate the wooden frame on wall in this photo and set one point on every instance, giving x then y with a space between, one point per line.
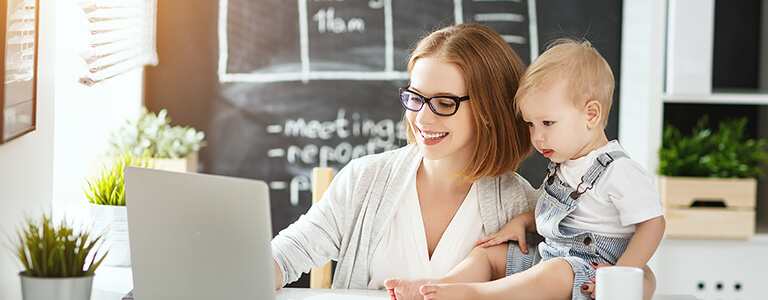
18 93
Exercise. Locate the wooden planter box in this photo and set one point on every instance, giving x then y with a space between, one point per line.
708 208
187 164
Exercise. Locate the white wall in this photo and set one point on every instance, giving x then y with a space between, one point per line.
85 116
26 163
47 167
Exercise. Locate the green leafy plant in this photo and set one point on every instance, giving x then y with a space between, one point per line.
107 186
706 153
46 250
155 133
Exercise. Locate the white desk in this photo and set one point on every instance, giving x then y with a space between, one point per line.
111 283
320 294
325 294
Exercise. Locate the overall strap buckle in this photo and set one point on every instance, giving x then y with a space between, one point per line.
605 159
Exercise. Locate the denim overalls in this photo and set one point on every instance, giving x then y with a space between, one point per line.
577 247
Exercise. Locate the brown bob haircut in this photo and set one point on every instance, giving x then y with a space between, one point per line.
492 73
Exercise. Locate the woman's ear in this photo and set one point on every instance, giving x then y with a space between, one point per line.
593 110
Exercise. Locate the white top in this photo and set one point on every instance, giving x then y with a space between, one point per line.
624 195
402 252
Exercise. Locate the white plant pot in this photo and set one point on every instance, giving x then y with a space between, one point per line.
62 288
112 221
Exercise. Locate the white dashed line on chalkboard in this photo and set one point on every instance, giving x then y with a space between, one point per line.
278 185
276 152
499 17
514 39
495 0
275 128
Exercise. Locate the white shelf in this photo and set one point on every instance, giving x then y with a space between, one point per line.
720 98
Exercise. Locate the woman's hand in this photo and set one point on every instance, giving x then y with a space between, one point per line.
514 231
649 282
590 287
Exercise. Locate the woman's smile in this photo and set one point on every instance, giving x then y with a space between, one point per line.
432 135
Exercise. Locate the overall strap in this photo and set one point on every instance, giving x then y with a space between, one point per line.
551 172
602 162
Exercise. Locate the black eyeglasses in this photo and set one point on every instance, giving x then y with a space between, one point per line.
440 105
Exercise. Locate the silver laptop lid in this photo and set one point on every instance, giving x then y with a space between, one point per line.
195 236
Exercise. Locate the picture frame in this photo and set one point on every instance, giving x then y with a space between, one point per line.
18 93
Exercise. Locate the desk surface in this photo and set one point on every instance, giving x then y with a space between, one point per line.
111 283
321 294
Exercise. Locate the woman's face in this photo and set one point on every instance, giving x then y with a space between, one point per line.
450 138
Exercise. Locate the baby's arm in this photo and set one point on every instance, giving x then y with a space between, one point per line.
640 249
514 230
643 243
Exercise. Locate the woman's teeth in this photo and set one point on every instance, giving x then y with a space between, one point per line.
433 136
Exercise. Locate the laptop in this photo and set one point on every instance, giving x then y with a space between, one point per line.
196 236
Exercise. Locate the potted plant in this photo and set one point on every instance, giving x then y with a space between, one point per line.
708 185
173 147
105 191
59 262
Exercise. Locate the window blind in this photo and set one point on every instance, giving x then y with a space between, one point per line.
122 37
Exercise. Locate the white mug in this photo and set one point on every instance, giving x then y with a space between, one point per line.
618 282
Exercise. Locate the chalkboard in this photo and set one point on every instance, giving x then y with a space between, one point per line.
283 86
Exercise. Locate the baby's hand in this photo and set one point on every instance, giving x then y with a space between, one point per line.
513 231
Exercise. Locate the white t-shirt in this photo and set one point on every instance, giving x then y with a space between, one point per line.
624 195
402 252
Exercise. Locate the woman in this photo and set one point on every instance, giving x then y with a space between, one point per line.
416 211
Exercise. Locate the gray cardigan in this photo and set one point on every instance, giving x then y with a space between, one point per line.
350 219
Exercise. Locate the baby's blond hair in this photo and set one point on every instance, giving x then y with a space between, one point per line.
588 76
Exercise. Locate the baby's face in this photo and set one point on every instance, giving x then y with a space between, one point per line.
558 129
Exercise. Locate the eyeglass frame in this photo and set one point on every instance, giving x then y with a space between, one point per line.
426 100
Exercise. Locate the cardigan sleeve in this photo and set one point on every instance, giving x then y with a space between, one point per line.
517 195
333 227
531 194
529 197
315 238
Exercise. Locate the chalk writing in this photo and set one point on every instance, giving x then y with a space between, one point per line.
383 135
348 41
504 14
326 20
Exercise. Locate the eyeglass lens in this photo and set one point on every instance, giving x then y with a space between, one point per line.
439 105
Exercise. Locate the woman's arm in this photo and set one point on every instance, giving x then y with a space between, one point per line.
278 275
315 238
